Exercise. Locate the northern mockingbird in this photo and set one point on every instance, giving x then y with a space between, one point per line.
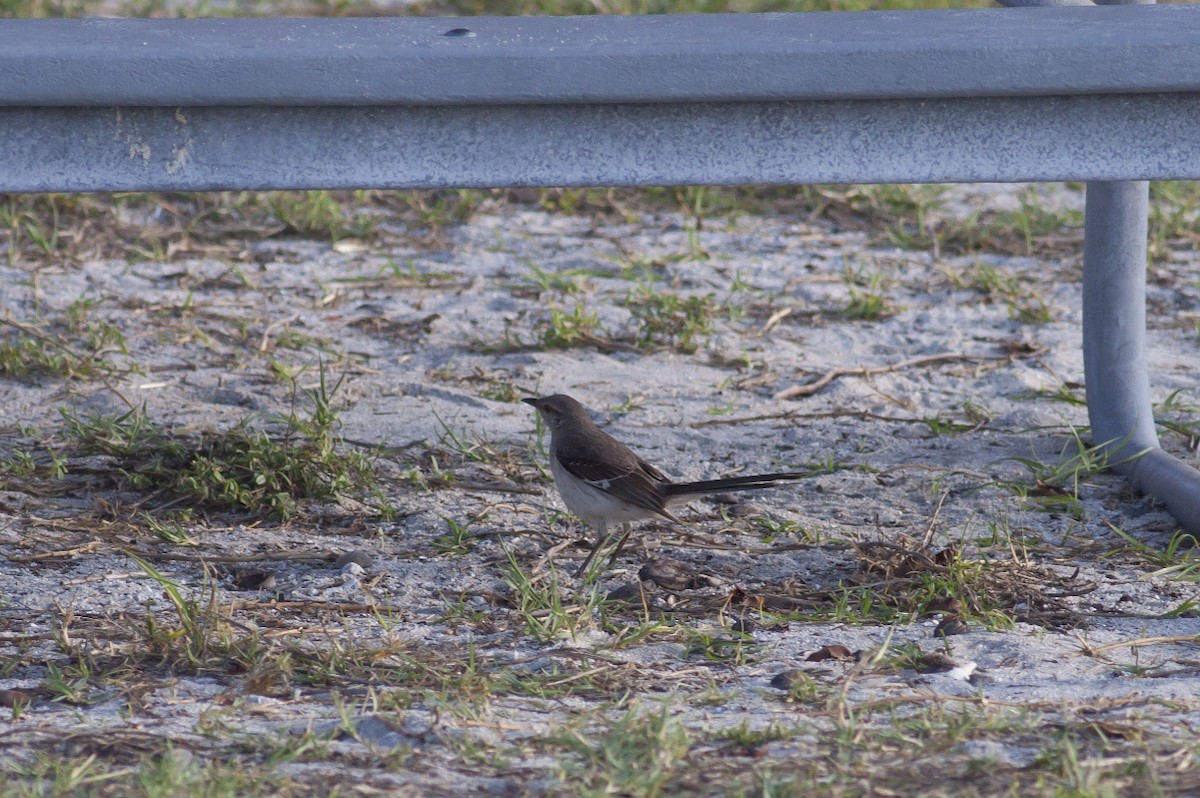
603 482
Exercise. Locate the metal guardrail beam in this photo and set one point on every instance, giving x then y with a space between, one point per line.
925 96
1097 94
889 141
600 59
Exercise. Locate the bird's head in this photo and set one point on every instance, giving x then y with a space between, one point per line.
558 409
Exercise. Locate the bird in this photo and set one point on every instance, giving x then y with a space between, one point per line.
604 483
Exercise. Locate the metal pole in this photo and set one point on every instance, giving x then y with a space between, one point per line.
1114 345
1114 348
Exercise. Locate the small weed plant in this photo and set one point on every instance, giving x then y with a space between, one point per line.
241 468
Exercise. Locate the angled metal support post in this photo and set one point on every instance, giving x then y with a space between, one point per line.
1116 373
1114 349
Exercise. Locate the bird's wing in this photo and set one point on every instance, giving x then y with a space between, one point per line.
632 481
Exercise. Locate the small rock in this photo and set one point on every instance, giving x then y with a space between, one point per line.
254 580
15 698
951 625
671 575
936 662
979 678
356 556
378 732
788 679
831 651
743 626
632 592
940 663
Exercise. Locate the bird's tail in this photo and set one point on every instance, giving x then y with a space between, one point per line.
731 483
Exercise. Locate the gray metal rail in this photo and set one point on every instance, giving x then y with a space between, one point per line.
1042 93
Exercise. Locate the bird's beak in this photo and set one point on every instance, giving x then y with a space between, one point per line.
530 402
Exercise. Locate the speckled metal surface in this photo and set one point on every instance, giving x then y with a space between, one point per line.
663 58
189 149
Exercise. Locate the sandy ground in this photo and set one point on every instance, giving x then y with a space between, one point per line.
426 328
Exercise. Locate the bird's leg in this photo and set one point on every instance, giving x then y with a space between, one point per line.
601 538
620 545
